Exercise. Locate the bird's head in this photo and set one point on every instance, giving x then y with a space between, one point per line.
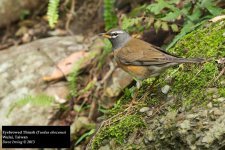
117 37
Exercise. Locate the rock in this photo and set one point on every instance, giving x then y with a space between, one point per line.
149 135
221 99
212 90
185 124
11 10
165 89
58 90
144 109
215 132
21 70
210 105
106 147
79 123
222 82
191 116
217 112
150 113
119 80
78 147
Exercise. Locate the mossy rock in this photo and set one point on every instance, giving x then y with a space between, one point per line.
190 116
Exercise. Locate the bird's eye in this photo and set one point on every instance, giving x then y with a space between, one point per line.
114 34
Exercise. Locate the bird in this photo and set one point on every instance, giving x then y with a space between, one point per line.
140 59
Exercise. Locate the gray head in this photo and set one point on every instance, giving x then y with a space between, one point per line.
117 37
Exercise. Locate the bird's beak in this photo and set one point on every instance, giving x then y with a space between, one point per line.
105 35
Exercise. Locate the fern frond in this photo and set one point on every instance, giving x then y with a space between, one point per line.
72 78
42 100
110 17
52 12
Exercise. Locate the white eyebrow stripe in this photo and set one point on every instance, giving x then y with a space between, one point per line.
117 32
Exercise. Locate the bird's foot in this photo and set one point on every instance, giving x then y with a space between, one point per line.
138 84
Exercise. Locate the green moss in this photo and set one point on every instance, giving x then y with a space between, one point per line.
120 104
119 130
190 81
222 92
206 42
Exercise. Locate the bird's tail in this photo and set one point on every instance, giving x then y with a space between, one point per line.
192 60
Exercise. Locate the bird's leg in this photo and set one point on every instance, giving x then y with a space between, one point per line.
138 83
135 94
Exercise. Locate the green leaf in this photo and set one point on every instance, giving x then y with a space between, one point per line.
157 7
173 1
174 28
186 9
165 26
196 14
129 22
210 6
189 26
137 10
215 11
171 16
206 3
92 131
157 25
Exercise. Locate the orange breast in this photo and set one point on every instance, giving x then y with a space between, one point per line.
138 72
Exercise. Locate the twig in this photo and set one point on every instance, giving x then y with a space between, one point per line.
92 109
70 17
221 73
193 78
108 74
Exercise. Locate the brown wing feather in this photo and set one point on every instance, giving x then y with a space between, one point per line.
142 53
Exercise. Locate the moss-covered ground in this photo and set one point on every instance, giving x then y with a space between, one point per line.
190 84
190 81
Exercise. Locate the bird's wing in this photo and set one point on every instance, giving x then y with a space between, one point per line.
142 53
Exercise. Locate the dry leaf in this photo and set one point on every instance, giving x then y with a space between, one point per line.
64 67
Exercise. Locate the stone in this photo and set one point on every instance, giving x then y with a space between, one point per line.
217 112
150 113
119 80
184 126
21 70
59 89
210 105
79 123
149 135
212 90
221 99
165 89
144 109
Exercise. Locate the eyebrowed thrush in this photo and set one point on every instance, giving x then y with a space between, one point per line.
139 58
